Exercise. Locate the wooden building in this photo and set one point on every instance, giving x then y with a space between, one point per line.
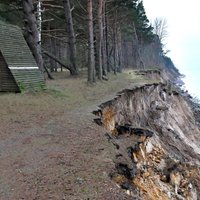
18 69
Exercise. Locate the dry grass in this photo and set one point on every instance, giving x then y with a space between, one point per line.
63 94
60 94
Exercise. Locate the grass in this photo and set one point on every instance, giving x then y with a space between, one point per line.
68 91
63 94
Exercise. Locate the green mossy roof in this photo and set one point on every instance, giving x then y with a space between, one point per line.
19 58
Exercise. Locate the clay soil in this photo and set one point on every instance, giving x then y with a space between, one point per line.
50 148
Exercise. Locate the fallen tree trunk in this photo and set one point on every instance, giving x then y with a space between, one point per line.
48 73
56 59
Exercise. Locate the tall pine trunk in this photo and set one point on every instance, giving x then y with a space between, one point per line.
120 56
91 57
106 40
139 58
104 55
31 33
100 39
115 46
71 35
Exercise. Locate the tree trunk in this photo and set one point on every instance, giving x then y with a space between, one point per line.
56 59
51 61
141 63
31 32
39 20
104 55
48 73
115 43
125 54
96 42
106 40
55 52
100 39
91 57
71 35
120 56
52 50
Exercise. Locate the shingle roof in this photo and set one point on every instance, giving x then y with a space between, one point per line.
19 58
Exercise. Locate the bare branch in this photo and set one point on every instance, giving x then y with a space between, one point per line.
160 28
52 6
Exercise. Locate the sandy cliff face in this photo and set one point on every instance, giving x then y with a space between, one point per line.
157 141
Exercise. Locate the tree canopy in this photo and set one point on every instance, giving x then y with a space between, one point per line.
120 30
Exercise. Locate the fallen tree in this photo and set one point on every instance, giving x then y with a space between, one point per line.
57 60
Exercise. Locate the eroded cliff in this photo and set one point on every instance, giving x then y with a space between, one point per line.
156 136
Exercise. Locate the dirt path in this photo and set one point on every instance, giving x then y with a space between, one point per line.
62 157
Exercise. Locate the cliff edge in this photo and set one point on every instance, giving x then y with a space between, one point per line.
154 128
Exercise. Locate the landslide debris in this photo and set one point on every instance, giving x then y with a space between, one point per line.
156 136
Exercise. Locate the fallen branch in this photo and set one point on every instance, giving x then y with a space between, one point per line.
56 59
48 73
52 6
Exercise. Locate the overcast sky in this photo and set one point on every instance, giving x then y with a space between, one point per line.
183 39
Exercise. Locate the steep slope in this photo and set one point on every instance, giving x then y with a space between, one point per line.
156 136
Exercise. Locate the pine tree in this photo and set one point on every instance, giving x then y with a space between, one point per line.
143 27
71 36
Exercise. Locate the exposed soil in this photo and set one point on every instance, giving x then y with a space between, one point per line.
156 136
49 146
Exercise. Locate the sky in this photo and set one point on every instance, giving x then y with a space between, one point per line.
183 38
